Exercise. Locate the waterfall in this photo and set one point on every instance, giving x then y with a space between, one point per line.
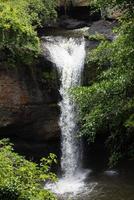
68 55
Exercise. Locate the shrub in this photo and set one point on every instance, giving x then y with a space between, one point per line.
21 179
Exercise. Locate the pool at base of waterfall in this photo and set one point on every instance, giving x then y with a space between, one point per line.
106 185
72 185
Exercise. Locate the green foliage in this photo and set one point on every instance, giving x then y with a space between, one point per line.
21 179
107 106
114 159
111 3
130 121
97 37
18 23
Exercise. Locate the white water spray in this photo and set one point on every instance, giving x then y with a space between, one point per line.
68 55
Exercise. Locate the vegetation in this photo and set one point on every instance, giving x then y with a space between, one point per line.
107 105
21 179
97 37
19 21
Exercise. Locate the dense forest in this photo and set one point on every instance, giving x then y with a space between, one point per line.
105 105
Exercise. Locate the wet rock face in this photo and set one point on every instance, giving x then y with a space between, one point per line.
28 101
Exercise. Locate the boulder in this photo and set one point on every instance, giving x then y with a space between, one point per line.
103 27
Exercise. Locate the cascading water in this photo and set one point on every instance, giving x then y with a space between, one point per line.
68 55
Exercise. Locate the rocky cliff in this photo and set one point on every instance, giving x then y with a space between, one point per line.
28 103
